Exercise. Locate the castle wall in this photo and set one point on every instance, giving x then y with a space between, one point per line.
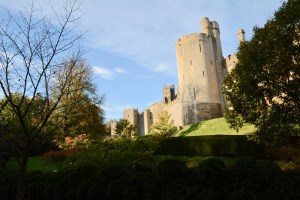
155 110
131 115
147 121
141 125
230 62
175 110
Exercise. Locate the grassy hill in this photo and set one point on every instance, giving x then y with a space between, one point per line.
216 126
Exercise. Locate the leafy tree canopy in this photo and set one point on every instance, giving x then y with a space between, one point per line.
264 87
79 111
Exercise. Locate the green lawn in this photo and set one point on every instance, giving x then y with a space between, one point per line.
217 126
34 164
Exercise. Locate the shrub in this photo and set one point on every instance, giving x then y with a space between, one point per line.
209 180
214 145
8 184
263 177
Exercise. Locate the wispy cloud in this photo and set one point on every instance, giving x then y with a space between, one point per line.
106 73
103 72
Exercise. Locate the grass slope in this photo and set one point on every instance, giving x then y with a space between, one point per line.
217 126
34 164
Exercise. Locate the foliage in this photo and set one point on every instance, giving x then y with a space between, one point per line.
163 126
263 89
12 128
79 111
78 141
118 150
214 145
125 129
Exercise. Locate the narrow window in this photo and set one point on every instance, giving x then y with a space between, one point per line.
200 47
191 62
194 93
210 62
203 73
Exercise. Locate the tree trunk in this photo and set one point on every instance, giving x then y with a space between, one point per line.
22 176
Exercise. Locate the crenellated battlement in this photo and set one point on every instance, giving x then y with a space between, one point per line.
172 103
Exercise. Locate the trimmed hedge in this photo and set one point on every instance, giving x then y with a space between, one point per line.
171 179
214 145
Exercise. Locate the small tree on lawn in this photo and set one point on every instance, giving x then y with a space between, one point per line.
164 126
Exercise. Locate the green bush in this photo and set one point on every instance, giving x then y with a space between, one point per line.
263 177
210 180
121 150
246 178
8 184
216 145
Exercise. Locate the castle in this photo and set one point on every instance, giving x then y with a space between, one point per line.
201 71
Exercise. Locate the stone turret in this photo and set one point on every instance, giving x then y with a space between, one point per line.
205 24
168 94
241 35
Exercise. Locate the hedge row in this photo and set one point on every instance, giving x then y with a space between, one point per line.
214 145
171 179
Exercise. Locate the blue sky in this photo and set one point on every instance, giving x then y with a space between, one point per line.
131 43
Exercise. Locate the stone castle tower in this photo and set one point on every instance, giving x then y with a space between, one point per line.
201 71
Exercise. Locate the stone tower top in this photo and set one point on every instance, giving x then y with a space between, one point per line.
215 26
241 35
205 24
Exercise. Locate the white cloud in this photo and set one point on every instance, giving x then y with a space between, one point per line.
107 73
103 72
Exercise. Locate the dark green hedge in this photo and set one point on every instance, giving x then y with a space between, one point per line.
171 179
215 145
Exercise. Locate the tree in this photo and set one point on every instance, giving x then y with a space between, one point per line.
32 49
164 126
80 109
264 87
125 129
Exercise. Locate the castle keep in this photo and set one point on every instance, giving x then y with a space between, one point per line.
201 71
